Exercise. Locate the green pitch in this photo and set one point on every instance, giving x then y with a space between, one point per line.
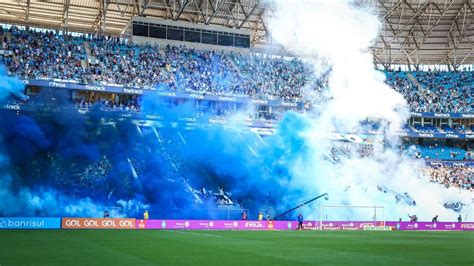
63 247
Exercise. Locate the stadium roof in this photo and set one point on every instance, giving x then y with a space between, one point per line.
426 32
414 31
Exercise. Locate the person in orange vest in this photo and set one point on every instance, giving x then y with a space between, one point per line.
145 215
260 216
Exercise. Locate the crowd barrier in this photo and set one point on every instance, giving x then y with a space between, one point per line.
130 224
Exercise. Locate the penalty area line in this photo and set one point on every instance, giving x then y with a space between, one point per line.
191 233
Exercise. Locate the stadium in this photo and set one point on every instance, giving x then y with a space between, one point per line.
208 132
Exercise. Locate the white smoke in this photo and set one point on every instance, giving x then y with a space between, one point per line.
336 35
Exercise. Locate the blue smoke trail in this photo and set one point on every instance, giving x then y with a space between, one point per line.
58 148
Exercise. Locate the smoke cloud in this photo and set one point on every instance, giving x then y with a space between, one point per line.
70 164
334 37
10 85
64 163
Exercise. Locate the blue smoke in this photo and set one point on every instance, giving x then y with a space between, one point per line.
69 164
64 163
10 86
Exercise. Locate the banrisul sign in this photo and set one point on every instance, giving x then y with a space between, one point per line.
29 223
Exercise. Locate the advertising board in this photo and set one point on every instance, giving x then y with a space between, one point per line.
97 223
30 223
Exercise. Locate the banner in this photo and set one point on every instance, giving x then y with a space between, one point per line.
292 225
441 115
97 223
338 225
220 224
29 223
435 135
72 85
428 226
126 223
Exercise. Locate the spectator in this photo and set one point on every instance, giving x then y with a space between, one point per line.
460 177
110 60
413 218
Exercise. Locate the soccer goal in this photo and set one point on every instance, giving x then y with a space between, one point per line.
351 213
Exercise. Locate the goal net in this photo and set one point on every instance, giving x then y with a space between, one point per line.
353 214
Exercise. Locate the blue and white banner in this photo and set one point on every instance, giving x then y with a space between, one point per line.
29 223
436 135
69 85
441 115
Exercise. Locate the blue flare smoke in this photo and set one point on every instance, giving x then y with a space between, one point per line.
70 164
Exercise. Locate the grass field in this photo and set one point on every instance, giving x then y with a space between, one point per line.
74 247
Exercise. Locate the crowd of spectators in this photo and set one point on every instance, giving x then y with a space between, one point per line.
275 77
435 151
106 60
44 55
461 177
108 105
458 176
186 69
435 91
447 92
109 60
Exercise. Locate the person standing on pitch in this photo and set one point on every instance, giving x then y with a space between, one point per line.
300 222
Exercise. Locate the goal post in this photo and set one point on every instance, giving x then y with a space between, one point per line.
361 213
